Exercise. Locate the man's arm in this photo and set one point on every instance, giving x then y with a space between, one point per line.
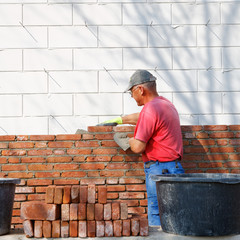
130 119
136 145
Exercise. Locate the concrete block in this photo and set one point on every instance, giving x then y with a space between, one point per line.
230 102
139 13
53 104
195 103
23 82
230 57
227 10
170 36
219 119
36 38
39 211
97 14
73 82
130 36
51 14
98 104
147 58
72 37
48 59
11 14
12 105
97 59
185 13
11 60
197 58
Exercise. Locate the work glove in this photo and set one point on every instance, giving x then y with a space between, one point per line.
111 122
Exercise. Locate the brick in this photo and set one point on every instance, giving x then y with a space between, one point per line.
112 181
38 229
92 166
75 174
107 211
91 194
39 211
96 181
59 159
65 212
108 229
42 137
75 194
82 229
90 211
135 227
124 210
116 188
115 210
73 229
82 211
91 228
64 229
58 195
126 227
13 167
66 194
83 194
7 138
60 144
66 181
66 166
50 194
98 159
98 211
100 229
13 152
47 229
117 228
144 227
56 229
131 181
102 194
28 228
73 211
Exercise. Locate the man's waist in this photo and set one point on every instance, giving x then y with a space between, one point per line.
151 162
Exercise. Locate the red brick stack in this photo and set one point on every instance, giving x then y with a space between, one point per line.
72 211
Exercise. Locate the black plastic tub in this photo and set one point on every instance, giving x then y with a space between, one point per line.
199 204
7 192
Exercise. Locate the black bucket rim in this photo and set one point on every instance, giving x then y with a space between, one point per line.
10 180
228 178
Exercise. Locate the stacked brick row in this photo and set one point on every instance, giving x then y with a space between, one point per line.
73 211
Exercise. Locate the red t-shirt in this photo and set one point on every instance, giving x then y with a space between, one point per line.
159 126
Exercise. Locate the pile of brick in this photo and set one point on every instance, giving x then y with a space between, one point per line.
73 211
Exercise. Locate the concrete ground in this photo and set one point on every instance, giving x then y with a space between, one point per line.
154 234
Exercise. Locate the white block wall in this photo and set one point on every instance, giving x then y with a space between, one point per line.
64 64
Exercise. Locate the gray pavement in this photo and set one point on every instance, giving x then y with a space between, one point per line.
154 234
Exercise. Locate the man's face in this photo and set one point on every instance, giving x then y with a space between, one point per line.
136 93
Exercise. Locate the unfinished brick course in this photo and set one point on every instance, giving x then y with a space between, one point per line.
42 219
94 158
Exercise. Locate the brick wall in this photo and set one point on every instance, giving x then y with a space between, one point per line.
94 158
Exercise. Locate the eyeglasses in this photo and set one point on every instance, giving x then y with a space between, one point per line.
131 92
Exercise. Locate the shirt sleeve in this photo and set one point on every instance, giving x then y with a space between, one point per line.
145 127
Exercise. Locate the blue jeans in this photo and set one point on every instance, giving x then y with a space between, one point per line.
157 169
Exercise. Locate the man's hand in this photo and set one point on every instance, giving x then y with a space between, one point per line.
113 122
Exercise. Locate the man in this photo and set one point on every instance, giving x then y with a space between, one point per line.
157 135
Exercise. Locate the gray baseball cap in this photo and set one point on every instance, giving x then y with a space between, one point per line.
139 77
